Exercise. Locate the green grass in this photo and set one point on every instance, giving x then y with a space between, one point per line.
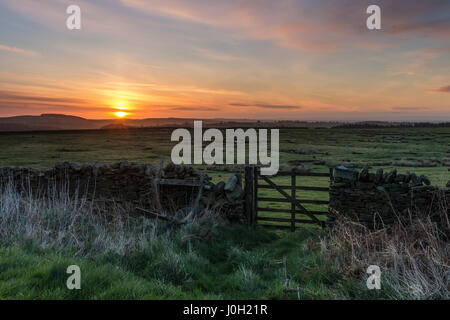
363 147
236 263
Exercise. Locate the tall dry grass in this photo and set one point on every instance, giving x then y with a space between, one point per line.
413 254
62 219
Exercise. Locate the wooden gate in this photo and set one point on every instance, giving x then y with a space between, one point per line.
292 208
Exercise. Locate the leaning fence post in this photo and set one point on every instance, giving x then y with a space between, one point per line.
248 189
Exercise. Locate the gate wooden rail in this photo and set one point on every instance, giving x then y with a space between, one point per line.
253 199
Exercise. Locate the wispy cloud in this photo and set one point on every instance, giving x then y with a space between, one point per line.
18 50
445 89
217 56
17 97
409 108
38 107
308 25
266 106
182 108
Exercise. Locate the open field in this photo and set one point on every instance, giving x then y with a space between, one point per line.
421 150
424 150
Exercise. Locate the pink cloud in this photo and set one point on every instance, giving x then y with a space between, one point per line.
18 50
307 25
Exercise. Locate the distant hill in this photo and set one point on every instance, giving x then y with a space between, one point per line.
52 122
49 122
56 122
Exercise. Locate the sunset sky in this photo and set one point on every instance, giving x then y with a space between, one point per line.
259 59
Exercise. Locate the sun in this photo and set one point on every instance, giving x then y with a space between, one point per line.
120 114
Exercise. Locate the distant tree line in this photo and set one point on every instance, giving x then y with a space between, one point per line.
364 125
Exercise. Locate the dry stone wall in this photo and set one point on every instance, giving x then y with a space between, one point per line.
119 181
380 198
129 183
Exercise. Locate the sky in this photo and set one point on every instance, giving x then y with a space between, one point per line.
252 59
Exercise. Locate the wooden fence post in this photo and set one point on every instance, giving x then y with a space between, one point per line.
331 175
329 194
293 184
249 194
255 194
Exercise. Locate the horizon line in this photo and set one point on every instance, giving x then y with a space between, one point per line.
227 119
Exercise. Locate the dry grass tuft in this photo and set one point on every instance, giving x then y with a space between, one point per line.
413 256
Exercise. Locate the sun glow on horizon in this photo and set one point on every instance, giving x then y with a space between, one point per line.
121 114
122 107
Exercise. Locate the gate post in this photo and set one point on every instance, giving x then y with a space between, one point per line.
293 198
249 195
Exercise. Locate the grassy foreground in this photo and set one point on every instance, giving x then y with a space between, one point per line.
123 255
236 263
126 256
